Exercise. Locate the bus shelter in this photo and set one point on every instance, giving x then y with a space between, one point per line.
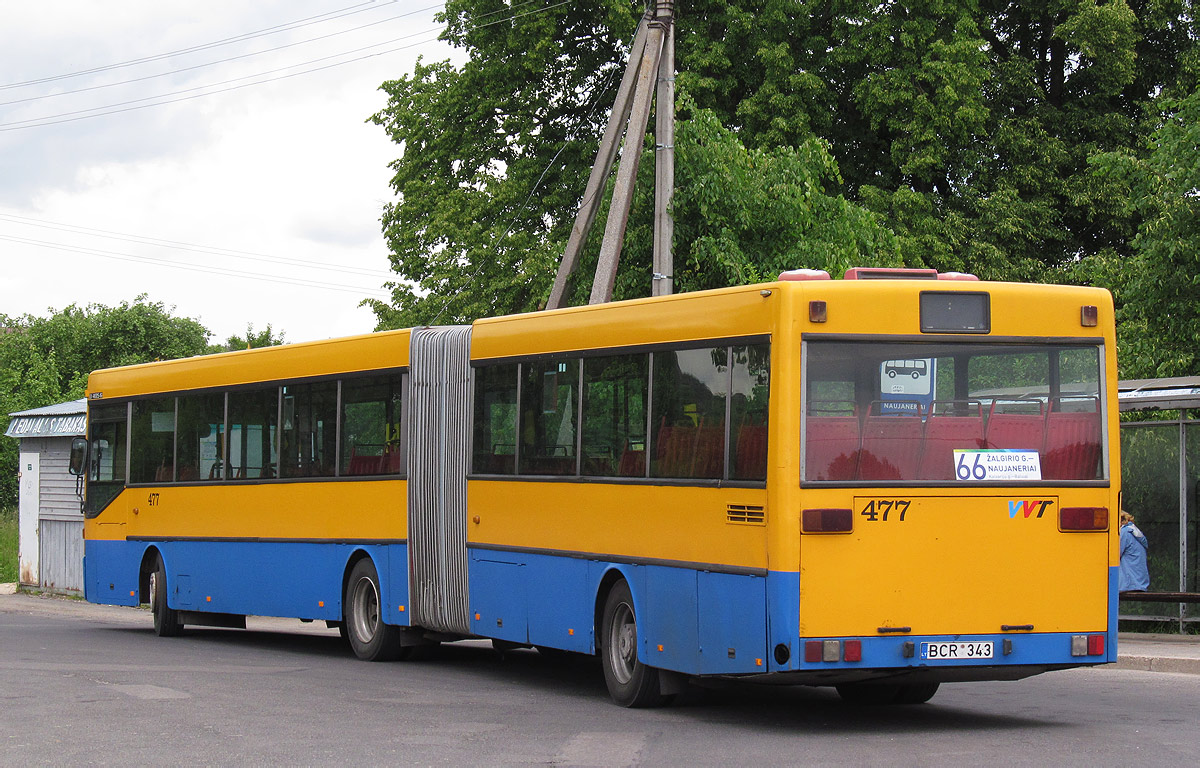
1160 468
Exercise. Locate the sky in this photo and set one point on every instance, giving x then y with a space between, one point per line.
253 198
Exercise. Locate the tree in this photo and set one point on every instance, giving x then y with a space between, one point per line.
251 340
965 127
1160 288
45 360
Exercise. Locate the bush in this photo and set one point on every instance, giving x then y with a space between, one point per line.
8 545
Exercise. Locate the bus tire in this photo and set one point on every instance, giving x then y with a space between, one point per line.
916 693
166 619
630 682
370 638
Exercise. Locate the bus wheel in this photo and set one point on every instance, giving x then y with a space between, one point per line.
370 637
166 619
916 693
630 682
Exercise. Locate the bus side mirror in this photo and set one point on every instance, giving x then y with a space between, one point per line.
79 451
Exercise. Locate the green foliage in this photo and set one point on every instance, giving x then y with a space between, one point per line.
9 536
252 339
951 134
46 360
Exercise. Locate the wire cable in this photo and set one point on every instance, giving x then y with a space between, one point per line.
283 280
236 58
203 46
76 115
192 247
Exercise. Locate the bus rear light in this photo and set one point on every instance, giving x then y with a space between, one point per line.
827 520
853 650
804 274
1083 519
812 651
816 651
817 312
1087 645
1089 316
889 273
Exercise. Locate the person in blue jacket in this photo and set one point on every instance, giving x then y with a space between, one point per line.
1134 575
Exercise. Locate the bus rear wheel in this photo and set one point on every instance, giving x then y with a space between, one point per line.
872 694
166 619
370 638
630 682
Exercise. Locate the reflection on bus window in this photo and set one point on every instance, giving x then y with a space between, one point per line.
495 436
106 456
614 415
200 441
253 451
952 412
153 441
549 400
371 436
688 413
308 430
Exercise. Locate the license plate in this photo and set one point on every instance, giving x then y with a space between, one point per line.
956 651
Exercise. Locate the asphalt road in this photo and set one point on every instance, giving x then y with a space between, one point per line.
91 684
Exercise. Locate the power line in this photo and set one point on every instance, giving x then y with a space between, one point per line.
235 58
183 246
319 18
76 115
283 280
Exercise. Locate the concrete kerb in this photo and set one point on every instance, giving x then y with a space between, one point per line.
1159 653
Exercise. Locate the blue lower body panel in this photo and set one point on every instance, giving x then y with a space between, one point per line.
296 579
691 621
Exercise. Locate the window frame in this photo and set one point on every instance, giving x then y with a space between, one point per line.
1035 343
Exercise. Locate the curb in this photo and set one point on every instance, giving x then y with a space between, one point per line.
1159 664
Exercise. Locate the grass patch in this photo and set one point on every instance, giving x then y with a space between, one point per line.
8 545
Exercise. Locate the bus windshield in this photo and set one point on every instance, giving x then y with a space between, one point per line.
942 412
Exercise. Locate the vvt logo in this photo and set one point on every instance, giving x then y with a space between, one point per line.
1027 507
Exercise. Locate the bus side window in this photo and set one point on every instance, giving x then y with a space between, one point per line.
548 417
688 416
495 420
748 420
152 446
614 415
253 447
371 436
200 438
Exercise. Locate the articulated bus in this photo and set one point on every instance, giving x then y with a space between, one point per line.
879 485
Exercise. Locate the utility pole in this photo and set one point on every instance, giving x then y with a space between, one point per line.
653 47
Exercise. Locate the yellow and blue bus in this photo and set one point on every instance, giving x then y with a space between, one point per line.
723 483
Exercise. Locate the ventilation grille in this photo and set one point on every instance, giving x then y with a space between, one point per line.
746 515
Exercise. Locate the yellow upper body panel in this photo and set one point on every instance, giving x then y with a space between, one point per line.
373 351
725 313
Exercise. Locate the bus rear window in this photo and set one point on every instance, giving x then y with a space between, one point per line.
948 413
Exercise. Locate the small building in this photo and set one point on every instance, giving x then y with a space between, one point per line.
51 516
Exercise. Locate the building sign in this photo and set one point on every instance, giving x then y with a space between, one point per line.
62 425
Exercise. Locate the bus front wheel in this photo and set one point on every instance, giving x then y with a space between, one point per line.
166 619
370 638
630 682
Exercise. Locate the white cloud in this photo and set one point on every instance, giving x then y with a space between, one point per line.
287 171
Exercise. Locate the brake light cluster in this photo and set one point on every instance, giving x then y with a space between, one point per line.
1083 519
1087 645
832 650
827 520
